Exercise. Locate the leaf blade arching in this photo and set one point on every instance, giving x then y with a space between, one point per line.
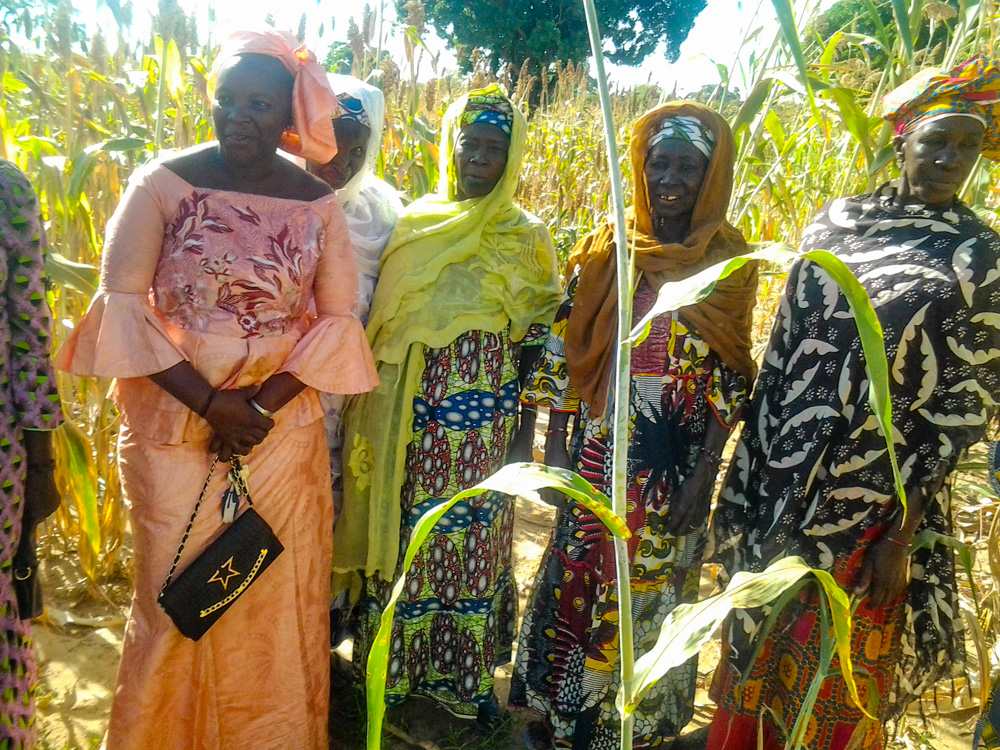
902 15
790 32
511 479
77 475
687 628
840 613
677 294
873 346
752 106
80 277
696 622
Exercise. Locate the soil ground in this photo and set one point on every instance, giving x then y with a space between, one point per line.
78 643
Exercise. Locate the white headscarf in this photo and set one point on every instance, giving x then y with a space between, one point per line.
372 206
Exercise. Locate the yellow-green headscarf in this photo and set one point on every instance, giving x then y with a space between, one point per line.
451 266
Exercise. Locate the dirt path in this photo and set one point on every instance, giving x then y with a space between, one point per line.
78 644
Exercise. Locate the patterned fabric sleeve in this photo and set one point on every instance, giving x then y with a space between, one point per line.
727 393
36 401
120 336
548 385
536 335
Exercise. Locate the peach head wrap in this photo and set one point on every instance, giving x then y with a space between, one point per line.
313 101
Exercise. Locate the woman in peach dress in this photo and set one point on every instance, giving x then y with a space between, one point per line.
211 265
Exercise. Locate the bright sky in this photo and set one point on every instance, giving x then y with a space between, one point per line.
715 39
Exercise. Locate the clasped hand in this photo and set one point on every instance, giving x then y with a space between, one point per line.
884 572
692 501
238 426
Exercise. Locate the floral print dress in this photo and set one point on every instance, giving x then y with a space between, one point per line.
455 622
568 647
241 286
28 401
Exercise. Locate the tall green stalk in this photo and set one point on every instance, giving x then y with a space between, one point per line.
378 47
161 90
622 369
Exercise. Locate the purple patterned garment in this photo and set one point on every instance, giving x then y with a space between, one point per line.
28 400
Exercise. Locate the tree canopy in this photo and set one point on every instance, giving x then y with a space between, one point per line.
542 31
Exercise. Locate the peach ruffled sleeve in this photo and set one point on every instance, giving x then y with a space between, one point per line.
121 336
334 356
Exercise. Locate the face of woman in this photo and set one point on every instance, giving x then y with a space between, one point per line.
480 159
252 107
352 147
674 172
937 158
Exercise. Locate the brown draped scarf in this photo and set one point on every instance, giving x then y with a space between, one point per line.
722 319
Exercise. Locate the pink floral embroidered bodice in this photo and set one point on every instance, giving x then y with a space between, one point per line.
242 286
235 264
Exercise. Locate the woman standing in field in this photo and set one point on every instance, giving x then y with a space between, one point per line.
372 208
371 205
468 280
211 265
29 405
811 475
689 380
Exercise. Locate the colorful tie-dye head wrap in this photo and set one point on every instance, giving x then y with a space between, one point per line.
970 90
351 108
686 129
488 105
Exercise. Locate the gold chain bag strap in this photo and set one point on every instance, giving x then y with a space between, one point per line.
221 574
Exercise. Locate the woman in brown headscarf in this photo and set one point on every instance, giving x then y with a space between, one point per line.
689 379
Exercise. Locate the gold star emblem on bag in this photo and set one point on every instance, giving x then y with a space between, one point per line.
224 574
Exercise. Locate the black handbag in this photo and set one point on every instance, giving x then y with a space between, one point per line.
27 585
221 574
